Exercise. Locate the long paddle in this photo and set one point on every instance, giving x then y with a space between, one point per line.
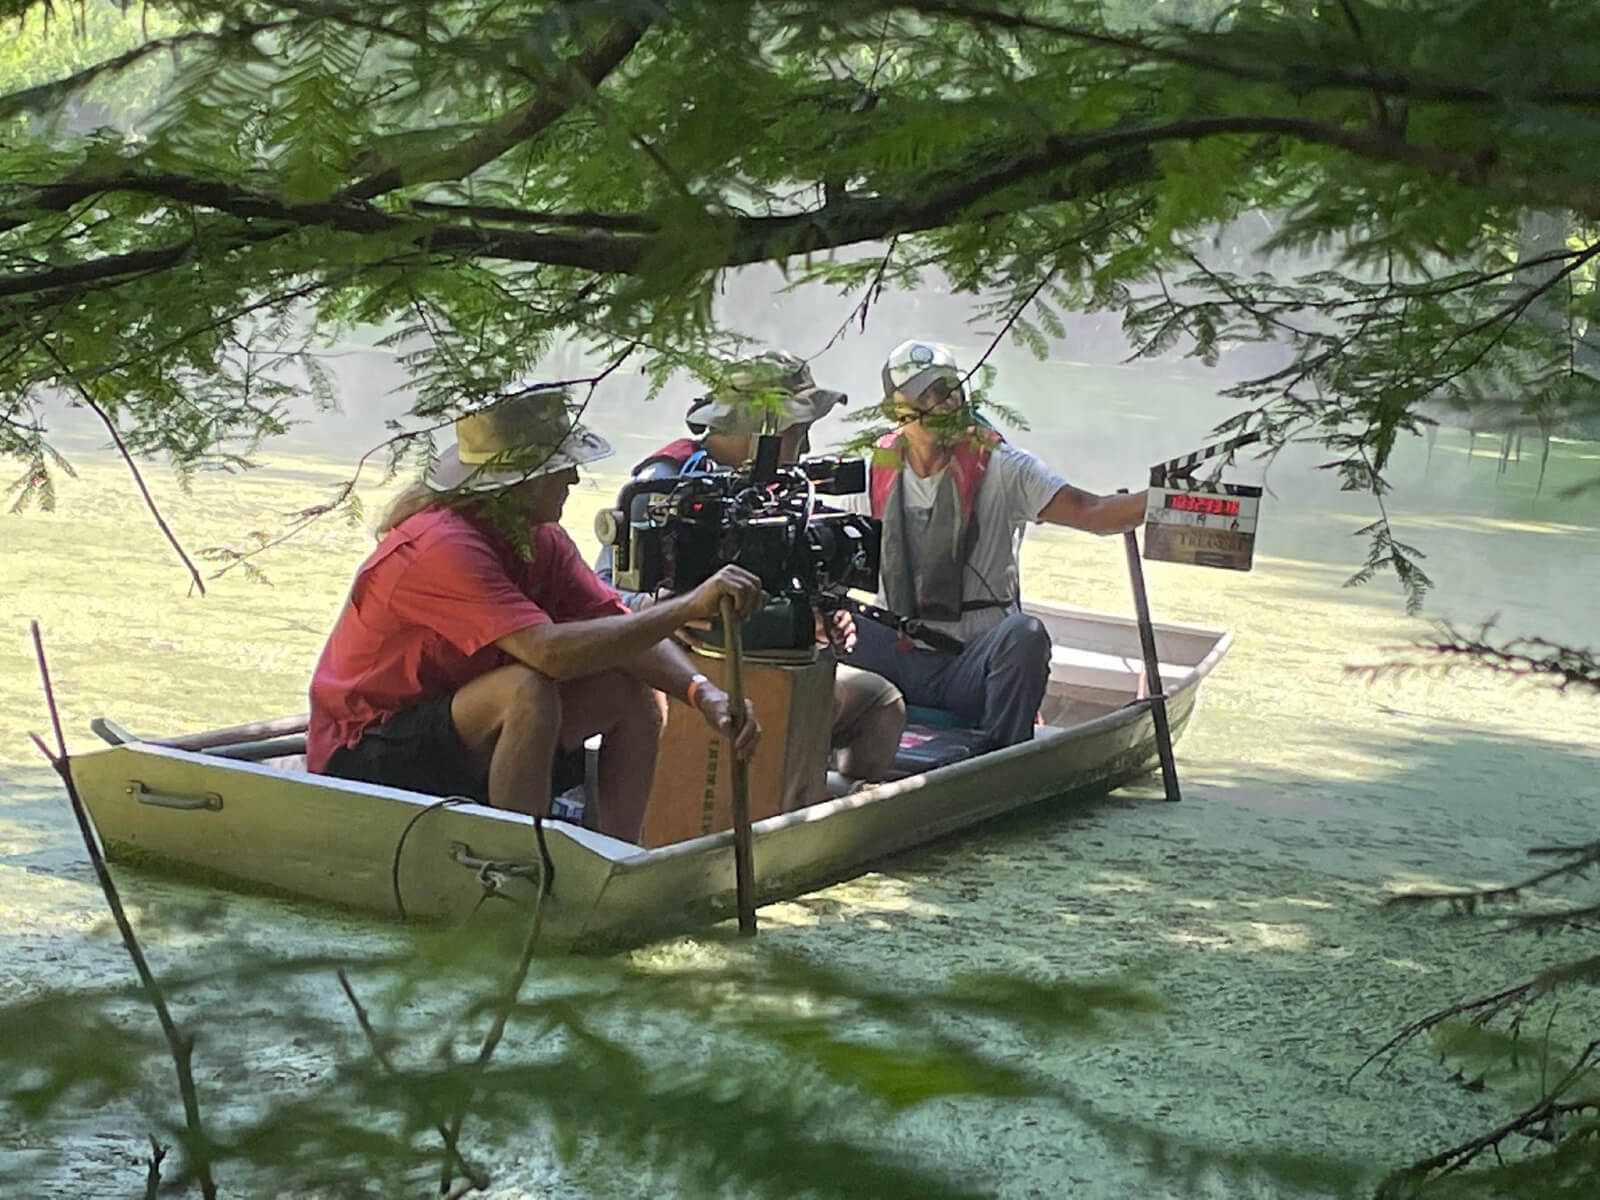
744 868
1152 667
232 735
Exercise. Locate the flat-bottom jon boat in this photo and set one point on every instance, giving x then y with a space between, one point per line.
198 806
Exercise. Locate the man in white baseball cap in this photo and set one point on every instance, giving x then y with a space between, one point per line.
774 393
954 498
475 642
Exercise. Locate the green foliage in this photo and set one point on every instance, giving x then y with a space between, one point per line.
48 45
489 181
763 1075
1554 1088
1523 1065
196 197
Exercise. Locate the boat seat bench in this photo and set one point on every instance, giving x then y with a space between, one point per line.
1111 672
1068 666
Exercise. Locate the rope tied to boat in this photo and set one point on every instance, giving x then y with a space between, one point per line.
492 875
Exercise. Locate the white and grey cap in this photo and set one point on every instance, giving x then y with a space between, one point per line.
517 439
769 393
913 367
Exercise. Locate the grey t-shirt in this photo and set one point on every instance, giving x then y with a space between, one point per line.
1016 486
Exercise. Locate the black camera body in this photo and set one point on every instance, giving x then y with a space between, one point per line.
674 533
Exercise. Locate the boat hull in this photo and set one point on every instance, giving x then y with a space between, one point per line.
245 825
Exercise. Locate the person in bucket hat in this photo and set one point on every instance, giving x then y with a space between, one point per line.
525 437
955 497
771 392
476 646
774 393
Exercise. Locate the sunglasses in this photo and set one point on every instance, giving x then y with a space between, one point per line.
941 393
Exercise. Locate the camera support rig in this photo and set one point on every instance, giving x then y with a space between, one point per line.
675 532
909 627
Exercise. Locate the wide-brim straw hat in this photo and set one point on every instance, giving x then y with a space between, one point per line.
766 394
518 439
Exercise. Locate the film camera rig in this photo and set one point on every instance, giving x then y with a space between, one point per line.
673 533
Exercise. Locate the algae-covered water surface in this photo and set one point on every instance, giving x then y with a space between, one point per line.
1253 908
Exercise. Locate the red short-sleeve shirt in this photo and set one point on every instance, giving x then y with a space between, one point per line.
425 611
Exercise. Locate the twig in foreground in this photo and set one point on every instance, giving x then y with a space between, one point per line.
508 1000
197 1150
152 1175
476 1177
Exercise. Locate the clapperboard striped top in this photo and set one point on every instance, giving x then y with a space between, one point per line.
1177 473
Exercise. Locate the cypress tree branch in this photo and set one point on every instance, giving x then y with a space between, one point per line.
1542 1110
1299 77
917 208
514 128
44 96
476 1175
505 214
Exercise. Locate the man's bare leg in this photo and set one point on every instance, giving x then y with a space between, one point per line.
628 716
870 752
869 715
511 717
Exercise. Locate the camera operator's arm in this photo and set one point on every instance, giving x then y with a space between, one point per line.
570 649
836 629
667 668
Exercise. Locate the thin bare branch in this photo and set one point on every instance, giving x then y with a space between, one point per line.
858 314
181 1046
1524 657
152 1174
1541 1111
67 377
1014 316
475 1175
305 518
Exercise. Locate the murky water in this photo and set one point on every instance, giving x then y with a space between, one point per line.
1252 907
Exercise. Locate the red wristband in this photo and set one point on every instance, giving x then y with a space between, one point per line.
694 688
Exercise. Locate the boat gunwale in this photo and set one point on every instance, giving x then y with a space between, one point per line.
1124 715
629 857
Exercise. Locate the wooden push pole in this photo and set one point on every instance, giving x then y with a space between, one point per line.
1152 666
744 867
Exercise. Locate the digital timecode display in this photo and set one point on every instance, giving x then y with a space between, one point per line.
1217 506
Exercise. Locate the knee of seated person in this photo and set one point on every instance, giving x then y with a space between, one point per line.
532 693
1026 636
644 703
1024 650
627 699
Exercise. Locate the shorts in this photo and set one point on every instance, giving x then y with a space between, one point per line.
857 694
418 749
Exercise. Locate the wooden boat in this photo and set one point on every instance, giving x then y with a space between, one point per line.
199 806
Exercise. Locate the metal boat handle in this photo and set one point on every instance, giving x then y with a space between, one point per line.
206 801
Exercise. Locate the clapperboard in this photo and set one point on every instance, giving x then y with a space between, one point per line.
1205 523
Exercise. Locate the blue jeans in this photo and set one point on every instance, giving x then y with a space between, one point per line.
996 684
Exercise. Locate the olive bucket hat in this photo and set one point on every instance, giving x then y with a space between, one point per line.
766 394
517 439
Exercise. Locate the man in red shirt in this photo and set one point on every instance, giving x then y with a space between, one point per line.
475 641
